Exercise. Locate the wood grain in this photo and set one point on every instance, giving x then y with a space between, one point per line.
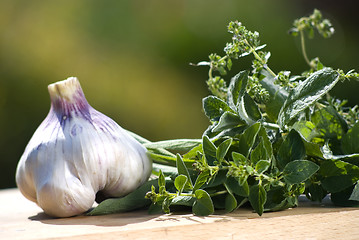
22 219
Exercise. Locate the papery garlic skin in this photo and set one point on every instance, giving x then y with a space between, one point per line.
75 153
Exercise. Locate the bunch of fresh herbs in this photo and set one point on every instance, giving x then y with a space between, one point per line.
272 137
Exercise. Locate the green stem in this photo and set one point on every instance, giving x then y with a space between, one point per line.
260 59
168 160
193 195
271 125
304 52
218 193
210 75
143 140
223 58
210 71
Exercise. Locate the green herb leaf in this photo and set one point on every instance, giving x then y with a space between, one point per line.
201 180
214 107
308 131
240 101
350 140
251 109
183 201
132 201
155 209
329 123
277 95
180 183
203 206
193 152
223 149
166 170
276 200
342 198
298 171
257 198
291 149
166 204
175 145
182 170
313 149
262 166
229 64
355 194
349 158
315 192
209 150
237 89
167 160
338 175
217 179
263 137
230 202
248 138
306 93
161 180
259 152
235 187
228 120
238 158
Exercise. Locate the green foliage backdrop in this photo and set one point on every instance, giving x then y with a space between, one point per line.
132 59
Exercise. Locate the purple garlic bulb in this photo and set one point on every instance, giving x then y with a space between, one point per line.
76 153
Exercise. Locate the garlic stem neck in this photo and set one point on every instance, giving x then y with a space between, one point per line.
67 97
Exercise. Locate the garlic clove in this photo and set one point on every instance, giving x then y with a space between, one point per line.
77 152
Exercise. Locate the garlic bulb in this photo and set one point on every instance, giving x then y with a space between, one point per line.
77 152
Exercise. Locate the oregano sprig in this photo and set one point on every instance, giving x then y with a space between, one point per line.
309 24
244 42
271 138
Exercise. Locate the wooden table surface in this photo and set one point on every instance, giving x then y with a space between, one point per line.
22 219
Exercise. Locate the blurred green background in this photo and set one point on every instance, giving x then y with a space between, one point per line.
132 59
